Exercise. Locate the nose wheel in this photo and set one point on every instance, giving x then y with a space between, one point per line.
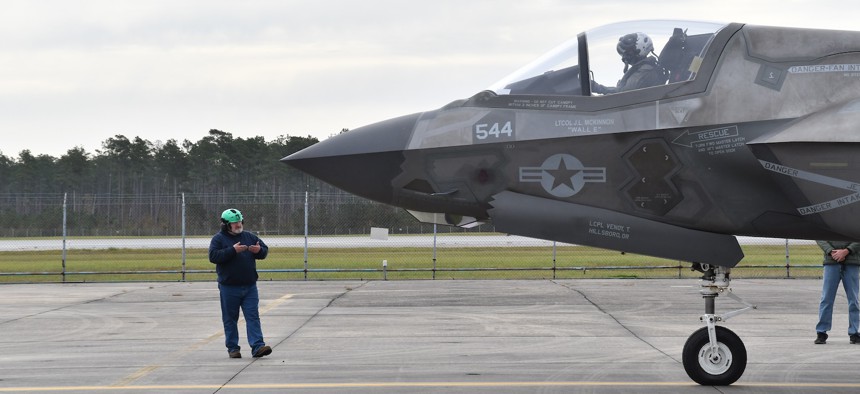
714 355
720 366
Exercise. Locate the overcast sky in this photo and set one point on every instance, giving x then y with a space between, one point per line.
74 73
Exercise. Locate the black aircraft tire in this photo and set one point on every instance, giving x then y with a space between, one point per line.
722 370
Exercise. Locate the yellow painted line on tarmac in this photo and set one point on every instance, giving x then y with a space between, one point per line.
126 381
275 303
371 385
137 375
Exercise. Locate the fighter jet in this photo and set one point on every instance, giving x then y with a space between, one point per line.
663 138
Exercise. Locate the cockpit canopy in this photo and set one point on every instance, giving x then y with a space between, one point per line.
679 48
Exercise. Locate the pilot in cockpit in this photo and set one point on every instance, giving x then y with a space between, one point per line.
640 69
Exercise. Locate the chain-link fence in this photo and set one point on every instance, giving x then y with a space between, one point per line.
311 236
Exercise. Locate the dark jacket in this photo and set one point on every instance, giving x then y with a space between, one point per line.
829 246
645 73
235 269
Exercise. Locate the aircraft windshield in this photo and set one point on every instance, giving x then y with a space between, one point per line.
678 49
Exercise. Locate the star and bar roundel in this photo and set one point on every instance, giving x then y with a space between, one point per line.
562 175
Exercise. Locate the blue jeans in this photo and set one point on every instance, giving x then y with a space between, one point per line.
246 297
849 275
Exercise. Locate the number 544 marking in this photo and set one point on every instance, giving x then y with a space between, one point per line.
486 130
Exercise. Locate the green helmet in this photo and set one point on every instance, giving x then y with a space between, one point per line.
231 216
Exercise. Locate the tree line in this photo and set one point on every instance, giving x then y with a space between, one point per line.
132 186
217 163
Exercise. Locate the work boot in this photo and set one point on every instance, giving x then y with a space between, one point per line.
235 354
822 338
263 351
854 338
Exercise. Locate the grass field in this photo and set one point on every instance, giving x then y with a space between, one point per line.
109 265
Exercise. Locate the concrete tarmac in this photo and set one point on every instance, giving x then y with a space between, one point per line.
444 336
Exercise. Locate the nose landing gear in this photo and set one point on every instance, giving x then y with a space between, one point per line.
714 355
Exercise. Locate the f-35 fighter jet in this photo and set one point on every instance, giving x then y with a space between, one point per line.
663 138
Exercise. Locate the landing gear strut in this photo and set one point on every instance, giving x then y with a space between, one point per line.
714 355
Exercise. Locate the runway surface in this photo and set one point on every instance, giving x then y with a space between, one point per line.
563 336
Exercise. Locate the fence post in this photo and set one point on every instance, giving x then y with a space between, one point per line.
553 259
306 235
434 247
183 236
65 233
787 261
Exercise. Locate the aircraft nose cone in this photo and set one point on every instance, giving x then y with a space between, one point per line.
362 161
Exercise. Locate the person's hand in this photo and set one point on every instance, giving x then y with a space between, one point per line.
597 88
255 248
839 254
241 248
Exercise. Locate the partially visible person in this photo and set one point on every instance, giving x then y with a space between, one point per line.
235 253
841 264
640 69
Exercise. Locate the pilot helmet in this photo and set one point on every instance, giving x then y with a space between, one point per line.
634 47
